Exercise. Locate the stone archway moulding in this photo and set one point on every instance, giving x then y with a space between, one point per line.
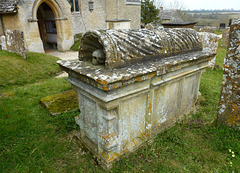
53 4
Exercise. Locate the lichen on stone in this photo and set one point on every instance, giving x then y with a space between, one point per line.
60 103
229 107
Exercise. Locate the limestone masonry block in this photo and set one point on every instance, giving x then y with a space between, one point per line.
229 106
225 37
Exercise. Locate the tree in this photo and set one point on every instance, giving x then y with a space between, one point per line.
159 3
177 5
230 22
149 12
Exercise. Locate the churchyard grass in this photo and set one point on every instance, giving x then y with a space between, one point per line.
14 70
221 54
45 143
218 32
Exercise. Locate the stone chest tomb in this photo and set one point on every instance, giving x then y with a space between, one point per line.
132 84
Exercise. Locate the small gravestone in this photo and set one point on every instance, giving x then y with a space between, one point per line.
60 103
15 42
229 107
3 45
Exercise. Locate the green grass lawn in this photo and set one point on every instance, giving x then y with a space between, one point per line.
14 70
45 143
218 32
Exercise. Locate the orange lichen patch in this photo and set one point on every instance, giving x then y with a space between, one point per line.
142 134
104 154
103 82
152 75
236 108
231 52
233 118
108 136
150 107
105 88
135 143
112 157
139 79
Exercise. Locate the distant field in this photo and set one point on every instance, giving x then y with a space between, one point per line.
213 18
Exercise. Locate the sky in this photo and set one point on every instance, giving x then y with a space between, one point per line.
204 4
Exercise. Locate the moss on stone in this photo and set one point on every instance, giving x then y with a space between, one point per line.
60 103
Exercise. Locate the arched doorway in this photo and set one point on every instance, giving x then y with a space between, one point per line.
47 26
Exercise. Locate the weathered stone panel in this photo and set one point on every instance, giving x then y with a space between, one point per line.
225 37
210 43
133 118
229 106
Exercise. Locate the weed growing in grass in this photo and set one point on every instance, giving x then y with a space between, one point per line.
230 161
66 121
8 117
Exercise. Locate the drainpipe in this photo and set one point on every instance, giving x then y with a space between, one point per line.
2 24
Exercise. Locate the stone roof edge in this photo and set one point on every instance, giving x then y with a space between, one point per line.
160 70
15 10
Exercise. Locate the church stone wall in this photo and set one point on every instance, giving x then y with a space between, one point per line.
103 10
94 19
119 9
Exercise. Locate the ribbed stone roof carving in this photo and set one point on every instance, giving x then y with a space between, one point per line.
115 48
